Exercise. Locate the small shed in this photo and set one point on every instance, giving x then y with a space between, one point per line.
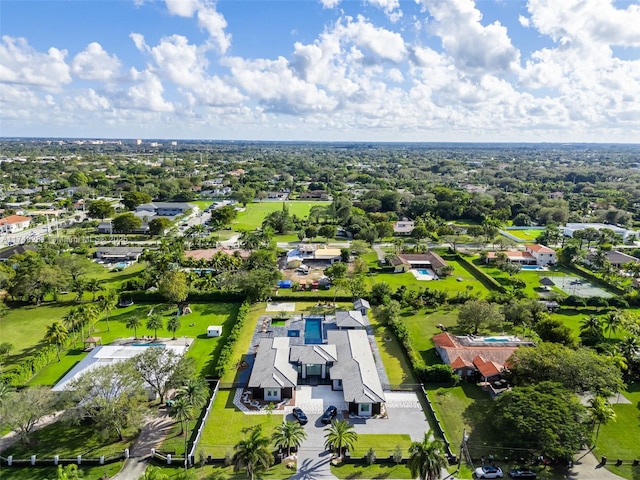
214 330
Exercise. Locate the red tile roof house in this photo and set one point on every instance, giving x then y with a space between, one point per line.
532 255
468 355
14 223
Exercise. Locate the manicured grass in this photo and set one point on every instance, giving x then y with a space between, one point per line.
385 470
226 424
422 327
255 213
203 349
383 445
68 441
202 204
619 438
393 358
528 235
276 472
40 473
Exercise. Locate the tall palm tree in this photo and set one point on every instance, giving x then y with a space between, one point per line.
196 392
183 411
154 322
612 322
93 285
108 303
591 326
426 458
173 325
601 412
88 315
56 334
134 323
253 454
629 347
287 435
340 436
77 287
72 322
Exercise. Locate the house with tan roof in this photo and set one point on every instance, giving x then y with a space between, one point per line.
14 223
208 253
406 261
470 355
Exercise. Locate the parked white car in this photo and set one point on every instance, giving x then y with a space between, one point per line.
489 471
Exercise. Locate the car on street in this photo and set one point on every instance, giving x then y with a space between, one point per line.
300 416
329 414
489 471
521 472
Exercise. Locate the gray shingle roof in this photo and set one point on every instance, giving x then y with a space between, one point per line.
313 354
271 367
355 367
361 303
352 319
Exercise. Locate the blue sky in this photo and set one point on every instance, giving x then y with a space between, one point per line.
388 70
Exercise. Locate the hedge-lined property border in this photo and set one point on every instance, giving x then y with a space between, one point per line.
488 281
227 351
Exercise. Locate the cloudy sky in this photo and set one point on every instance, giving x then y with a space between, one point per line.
359 70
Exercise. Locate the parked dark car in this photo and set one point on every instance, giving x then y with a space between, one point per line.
329 414
300 416
522 473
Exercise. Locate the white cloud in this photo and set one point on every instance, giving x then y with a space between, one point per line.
146 93
94 63
379 44
524 21
182 8
390 7
215 24
21 64
475 48
329 3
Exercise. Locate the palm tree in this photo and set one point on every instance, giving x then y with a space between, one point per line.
340 436
629 347
134 323
196 391
56 334
173 325
601 412
426 458
72 321
88 314
612 322
93 286
287 435
253 454
108 303
154 322
591 327
5 390
182 410
77 287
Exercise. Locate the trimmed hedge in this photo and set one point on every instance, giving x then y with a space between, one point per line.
227 351
487 280
29 366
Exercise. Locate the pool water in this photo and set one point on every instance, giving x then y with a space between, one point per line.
424 271
121 265
313 330
496 339
532 268
148 345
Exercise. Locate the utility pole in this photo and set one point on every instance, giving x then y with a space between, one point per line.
463 448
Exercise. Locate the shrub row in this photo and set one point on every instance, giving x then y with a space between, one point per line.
487 280
29 366
227 351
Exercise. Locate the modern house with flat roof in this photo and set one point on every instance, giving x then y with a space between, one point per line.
167 209
571 228
406 261
119 254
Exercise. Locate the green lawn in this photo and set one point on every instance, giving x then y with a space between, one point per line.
393 357
422 327
528 235
40 473
255 213
207 472
619 438
203 349
225 425
202 204
383 445
386 470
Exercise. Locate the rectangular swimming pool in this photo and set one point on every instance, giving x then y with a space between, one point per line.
313 330
533 268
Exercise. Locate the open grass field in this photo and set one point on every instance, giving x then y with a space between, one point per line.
203 349
255 213
422 326
393 358
386 470
383 445
202 204
226 424
528 235
208 472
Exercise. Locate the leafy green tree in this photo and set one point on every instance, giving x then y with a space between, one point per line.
340 436
553 330
69 472
100 209
601 413
475 315
157 226
21 410
223 216
58 335
253 454
244 195
310 232
157 366
173 287
133 323
579 370
288 435
546 417
78 179
112 396
132 199
173 325
427 459
154 322
126 223
327 231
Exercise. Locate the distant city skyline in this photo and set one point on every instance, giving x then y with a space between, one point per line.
322 70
